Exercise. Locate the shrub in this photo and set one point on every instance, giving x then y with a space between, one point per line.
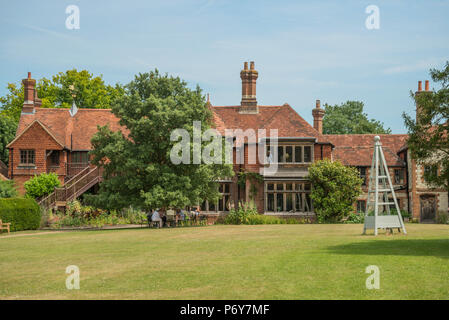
404 214
242 214
24 214
335 188
355 218
7 189
42 185
443 217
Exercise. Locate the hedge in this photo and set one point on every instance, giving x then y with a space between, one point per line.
24 214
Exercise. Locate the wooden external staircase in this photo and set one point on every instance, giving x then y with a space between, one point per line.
73 188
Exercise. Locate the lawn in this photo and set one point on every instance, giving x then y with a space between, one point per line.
228 262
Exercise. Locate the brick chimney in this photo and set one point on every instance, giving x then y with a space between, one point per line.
318 115
249 77
31 100
427 89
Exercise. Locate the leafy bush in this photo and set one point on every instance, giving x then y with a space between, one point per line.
77 215
22 213
41 185
404 214
355 218
335 188
242 214
7 189
247 214
443 217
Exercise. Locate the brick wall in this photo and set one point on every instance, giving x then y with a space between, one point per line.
37 139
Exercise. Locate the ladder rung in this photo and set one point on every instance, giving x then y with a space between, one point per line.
384 203
382 177
383 190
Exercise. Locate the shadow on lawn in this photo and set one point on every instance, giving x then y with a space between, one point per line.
403 247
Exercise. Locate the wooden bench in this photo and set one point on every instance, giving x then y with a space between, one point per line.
4 226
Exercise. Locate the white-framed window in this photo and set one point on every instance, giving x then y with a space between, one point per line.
288 196
290 154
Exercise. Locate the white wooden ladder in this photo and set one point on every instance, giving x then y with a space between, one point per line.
380 186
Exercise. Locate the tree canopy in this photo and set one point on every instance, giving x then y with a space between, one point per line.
428 132
90 92
349 118
138 170
7 133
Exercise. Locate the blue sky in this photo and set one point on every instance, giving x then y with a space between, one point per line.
303 50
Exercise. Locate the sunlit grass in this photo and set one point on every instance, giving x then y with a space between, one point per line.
228 262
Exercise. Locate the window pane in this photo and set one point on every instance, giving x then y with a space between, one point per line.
226 199
362 174
212 207
307 187
280 154
289 202
270 186
298 186
307 154
54 157
280 186
288 154
298 154
288 186
280 202
270 202
361 206
220 205
227 185
299 203
308 203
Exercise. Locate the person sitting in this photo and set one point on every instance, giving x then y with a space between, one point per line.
155 217
170 216
163 217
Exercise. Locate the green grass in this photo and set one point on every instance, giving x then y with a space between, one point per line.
228 262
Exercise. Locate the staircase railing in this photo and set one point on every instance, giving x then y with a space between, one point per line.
76 186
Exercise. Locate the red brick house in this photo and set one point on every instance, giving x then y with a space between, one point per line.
57 140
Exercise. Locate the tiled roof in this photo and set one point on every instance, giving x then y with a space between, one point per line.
72 132
357 149
284 118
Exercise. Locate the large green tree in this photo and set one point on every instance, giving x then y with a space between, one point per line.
335 188
428 131
7 132
138 170
349 118
89 92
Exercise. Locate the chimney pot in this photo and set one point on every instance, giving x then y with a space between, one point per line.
30 95
419 85
318 115
249 78
427 85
